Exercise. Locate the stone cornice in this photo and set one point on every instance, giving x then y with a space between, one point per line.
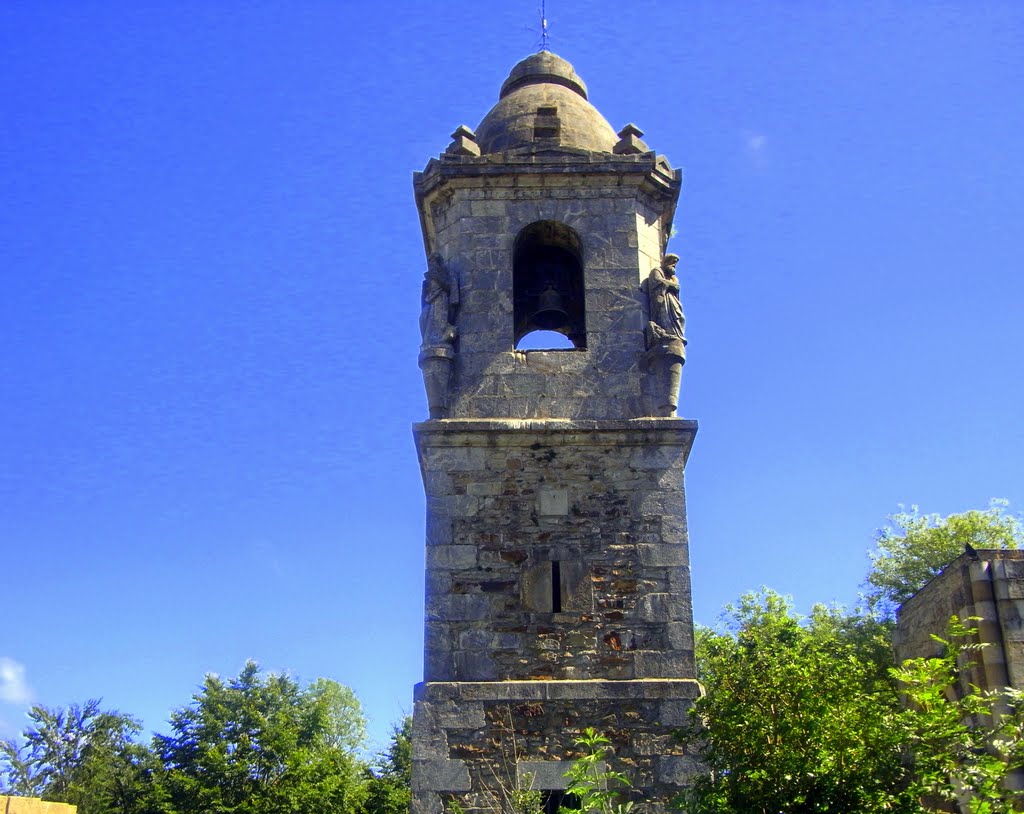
516 432
648 170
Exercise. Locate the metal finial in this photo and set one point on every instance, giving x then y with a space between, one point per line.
543 27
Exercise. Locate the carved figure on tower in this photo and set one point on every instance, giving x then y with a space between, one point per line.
667 324
440 298
665 337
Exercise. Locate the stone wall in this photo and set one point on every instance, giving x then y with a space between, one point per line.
619 206
475 741
990 587
522 654
33 805
514 506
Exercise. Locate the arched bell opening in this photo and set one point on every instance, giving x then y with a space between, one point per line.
547 283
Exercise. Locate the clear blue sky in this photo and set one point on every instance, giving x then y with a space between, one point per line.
211 264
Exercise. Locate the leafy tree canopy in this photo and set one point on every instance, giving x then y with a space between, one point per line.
81 755
914 547
389 783
800 715
258 743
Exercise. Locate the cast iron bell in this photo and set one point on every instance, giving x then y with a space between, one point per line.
550 314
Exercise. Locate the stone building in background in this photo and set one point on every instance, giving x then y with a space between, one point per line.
557 568
33 805
986 586
989 585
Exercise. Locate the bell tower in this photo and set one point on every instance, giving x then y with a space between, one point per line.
557 568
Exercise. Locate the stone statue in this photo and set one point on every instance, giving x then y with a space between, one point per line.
440 297
666 338
667 324
440 300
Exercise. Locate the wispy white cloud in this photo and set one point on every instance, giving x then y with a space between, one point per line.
14 687
756 147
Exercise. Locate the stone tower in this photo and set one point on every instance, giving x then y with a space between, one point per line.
557 570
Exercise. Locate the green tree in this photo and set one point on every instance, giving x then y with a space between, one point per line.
964 744
800 715
259 744
389 783
345 725
80 755
914 547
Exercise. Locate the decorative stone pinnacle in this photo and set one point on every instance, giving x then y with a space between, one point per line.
629 141
463 142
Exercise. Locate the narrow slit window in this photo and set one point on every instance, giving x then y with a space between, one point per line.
556 586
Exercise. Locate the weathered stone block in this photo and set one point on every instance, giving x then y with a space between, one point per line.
659 458
451 557
465 459
475 639
652 664
440 775
426 802
680 635
650 743
437 666
551 501
662 607
665 555
458 607
672 712
429 741
678 770
459 715
543 774
484 488
473 665
659 503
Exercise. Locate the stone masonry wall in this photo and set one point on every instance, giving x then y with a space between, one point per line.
474 742
509 500
621 216
992 588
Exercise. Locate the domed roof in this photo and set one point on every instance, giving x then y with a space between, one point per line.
544 101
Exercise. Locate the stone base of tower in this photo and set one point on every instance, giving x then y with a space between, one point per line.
474 742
